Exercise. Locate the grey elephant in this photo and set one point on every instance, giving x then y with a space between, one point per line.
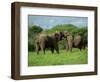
78 42
74 42
45 41
69 41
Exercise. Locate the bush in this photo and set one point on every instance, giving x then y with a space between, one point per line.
32 32
62 45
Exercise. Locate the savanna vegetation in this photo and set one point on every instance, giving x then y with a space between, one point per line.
74 57
64 58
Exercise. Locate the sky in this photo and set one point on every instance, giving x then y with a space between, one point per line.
47 22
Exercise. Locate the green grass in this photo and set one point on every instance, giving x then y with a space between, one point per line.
64 58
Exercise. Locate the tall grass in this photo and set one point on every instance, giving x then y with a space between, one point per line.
64 58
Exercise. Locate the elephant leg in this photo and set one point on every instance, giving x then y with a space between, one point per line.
52 50
66 47
57 49
70 47
38 51
80 48
83 46
43 48
37 48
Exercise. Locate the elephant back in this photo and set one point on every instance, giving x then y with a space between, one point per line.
42 38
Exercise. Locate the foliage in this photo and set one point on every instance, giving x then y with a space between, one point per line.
62 44
32 32
63 27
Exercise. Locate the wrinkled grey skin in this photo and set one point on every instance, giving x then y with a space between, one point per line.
69 41
78 42
44 41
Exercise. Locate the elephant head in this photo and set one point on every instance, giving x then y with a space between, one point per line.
66 34
59 35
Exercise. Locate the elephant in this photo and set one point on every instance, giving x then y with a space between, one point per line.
69 41
78 42
46 41
74 42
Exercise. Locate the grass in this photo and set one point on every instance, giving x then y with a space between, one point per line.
64 58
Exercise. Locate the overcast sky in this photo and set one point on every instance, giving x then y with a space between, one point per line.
47 22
